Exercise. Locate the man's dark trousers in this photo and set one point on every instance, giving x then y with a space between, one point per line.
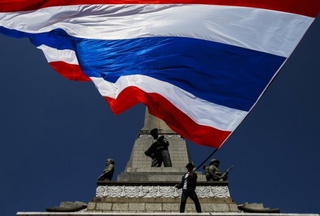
192 194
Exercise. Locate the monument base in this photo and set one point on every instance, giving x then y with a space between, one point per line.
159 197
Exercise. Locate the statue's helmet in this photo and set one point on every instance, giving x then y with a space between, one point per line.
110 161
154 130
214 160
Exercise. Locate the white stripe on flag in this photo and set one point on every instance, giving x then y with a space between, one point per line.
257 29
54 55
200 111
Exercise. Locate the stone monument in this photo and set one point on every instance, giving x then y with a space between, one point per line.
142 188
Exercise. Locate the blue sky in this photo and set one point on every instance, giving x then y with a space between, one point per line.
56 135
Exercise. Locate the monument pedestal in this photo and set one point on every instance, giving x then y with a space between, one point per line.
159 197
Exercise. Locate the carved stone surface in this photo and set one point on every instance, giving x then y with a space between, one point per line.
158 191
213 192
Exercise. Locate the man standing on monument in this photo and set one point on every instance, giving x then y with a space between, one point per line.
158 150
188 185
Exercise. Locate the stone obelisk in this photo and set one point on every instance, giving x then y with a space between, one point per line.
139 165
142 188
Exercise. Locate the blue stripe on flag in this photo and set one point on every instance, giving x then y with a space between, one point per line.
220 73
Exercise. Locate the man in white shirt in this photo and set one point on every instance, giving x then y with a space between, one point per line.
188 184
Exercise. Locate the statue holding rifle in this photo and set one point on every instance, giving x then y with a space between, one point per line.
213 172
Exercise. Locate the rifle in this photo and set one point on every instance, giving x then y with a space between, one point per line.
227 171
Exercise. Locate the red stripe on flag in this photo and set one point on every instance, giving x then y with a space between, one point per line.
175 119
69 71
307 7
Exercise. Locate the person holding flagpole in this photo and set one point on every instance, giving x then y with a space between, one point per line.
188 184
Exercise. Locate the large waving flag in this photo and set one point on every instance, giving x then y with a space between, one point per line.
199 65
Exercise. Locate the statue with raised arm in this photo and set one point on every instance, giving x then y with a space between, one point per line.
108 171
213 172
158 151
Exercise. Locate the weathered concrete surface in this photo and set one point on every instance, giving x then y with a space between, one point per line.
160 196
139 165
153 205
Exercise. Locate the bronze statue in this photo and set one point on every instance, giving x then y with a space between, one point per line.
108 171
158 151
213 172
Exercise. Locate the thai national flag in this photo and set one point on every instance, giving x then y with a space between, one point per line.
199 65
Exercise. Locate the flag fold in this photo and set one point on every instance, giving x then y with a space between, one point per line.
200 66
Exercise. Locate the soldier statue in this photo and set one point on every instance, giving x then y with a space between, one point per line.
213 172
108 171
158 151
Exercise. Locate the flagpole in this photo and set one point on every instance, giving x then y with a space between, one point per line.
206 159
